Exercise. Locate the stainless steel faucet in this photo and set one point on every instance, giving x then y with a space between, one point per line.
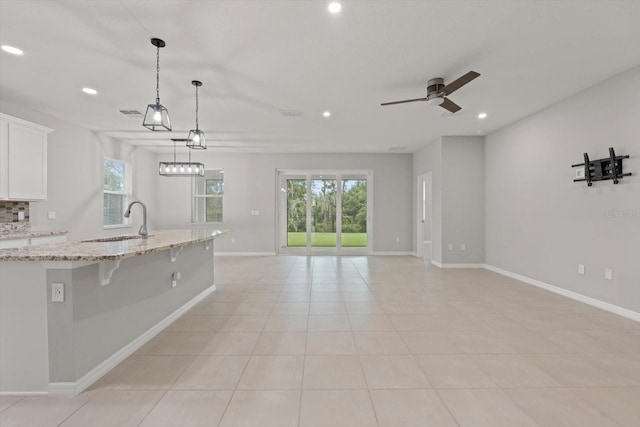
143 228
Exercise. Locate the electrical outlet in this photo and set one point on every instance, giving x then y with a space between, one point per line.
57 292
174 279
581 269
397 240
233 240
463 247
51 215
20 215
450 246
608 273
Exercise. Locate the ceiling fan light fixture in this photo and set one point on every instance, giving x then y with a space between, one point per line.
435 101
157 116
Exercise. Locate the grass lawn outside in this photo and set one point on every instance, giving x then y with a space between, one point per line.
352 240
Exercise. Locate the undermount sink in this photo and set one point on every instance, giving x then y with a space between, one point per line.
112 239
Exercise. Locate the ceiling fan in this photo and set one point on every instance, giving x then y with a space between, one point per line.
437 92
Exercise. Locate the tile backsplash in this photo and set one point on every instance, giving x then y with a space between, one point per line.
9 211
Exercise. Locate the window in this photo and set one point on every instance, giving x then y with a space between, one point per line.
208 192
117 187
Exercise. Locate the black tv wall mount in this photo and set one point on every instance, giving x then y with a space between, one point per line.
603 169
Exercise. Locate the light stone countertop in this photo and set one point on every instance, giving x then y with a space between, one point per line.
32 233
159 240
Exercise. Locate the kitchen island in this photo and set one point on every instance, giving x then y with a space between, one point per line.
113 295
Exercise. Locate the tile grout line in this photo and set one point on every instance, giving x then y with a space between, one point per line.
373 406
304 358
242 373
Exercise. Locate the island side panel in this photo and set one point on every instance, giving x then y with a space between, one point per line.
23 328
107 318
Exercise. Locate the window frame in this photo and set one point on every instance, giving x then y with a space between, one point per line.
126 192
195 197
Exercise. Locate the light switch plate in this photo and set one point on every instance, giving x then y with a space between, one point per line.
51 215
608 273
581 269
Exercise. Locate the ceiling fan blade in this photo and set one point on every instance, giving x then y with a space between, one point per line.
457 84
450 105
405 101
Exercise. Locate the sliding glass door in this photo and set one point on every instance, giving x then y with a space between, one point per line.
324 212
354 212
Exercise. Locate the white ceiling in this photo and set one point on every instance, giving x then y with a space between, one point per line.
257 58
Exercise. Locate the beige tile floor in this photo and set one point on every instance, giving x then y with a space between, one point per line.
366 341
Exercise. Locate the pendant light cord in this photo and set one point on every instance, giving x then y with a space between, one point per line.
197 108
157 75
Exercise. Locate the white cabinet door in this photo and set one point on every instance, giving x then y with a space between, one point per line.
27 163
23 159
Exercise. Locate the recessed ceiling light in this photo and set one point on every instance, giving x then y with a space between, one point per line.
89 91
335 7
482 115
326 114
12 50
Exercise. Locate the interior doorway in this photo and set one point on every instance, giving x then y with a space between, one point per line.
424 226
324 212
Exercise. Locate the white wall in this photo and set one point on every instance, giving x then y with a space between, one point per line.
75 177
463 199
457 166
540 224
250 184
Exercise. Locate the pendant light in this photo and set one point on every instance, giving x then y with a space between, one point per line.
157 116
176 168
196 139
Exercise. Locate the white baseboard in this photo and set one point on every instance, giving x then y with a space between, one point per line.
397 253
70 389
462 266
436 263
23 393
612 308
244 254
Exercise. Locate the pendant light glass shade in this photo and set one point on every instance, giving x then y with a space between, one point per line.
176 168
157 116
196 139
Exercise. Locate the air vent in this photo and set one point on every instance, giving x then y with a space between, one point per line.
132 114
291 113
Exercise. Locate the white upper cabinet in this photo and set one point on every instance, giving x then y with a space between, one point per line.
23 159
